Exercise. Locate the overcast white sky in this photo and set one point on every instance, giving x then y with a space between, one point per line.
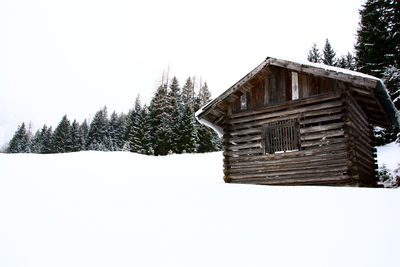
73 57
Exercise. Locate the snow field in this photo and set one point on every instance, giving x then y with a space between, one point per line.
124 209
389 155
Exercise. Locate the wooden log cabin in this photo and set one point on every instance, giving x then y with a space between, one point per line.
290 123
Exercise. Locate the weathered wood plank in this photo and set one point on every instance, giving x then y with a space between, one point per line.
244 152
352 122
321 142
292 174
290 104
278 156
331 164
321 128
327 134
245 132
242 146
334 180
306 114
362 91
317 158
284 113
257 123
329 118
248 138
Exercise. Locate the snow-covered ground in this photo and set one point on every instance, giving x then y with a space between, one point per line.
122 209
389 155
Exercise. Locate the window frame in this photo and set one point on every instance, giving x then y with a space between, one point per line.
272 141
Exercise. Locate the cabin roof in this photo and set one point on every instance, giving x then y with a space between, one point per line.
373 93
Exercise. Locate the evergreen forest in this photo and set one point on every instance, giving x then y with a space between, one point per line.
167 125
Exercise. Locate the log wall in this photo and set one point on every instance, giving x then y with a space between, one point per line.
361 152
329 151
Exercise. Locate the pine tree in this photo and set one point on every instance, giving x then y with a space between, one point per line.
314 55
130 118
83 133
61 141
98 136
208 140
176 112
347 62
46 136
36 143
20 143
188 93
76 138
378 37
328 54
204 95
160 121
378 50
188 140
140 136
116 130
134 143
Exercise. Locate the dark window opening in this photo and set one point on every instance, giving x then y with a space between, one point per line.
281 136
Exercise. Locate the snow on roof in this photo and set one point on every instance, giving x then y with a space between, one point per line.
328 68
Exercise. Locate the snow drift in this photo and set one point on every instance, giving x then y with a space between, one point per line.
123 209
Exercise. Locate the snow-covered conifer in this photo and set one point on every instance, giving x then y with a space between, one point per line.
207 139
134 145
314 55
175 110
188 139
328 54
378 50
160 121
76 137
140 137
36 143
98 135
116 130
61 140
347 62
378 37
83 133
20 142
46 136
188 93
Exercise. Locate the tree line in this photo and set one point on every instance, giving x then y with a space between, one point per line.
377 53
167 125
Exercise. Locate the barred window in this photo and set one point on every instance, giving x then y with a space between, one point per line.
281 136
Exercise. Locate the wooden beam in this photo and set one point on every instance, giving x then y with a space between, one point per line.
354 79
